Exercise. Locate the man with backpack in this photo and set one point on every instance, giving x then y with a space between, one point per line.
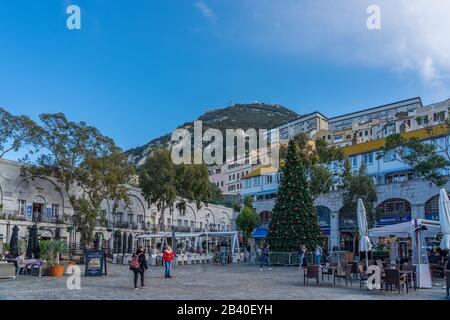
138 265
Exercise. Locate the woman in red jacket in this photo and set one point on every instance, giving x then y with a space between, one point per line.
168 256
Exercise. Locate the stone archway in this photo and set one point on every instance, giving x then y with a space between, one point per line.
392 211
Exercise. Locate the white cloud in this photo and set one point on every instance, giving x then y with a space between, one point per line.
206 11
413 37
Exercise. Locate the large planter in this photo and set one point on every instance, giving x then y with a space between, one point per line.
57 271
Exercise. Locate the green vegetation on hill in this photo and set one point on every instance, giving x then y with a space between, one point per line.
239 116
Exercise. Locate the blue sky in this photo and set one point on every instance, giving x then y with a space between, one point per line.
139 68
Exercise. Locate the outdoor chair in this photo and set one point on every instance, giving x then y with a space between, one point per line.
363 277
354 270
408 267
345 273
22 269
393 277
328 272
447 277
311 271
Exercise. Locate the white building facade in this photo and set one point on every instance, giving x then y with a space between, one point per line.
26 200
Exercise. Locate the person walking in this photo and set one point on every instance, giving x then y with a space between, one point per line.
168 256
265 256
318 251
301 252
138 265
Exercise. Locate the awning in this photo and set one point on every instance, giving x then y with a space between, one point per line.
405 229
260 233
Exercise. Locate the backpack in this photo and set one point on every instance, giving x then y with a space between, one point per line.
135 263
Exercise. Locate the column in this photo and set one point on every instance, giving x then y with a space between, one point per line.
334 230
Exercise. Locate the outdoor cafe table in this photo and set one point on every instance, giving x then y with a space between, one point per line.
333 269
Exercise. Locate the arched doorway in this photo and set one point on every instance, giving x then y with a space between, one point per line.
348 227
117 241
392 211
264 218
38 209
324 216
130 243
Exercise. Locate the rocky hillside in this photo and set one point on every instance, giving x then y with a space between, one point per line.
239 116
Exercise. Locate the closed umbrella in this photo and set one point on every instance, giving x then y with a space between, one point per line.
33 243
444 218
364 242
14 243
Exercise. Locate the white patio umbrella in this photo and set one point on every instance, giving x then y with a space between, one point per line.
364 242
444 218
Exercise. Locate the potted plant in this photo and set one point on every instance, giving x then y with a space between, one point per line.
50 251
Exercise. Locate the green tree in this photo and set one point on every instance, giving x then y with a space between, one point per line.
315 156
356 186
425 159
294 217
247 220
157 181
78 155
101 178
15 132
167 185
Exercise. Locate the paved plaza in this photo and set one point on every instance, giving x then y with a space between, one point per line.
201 282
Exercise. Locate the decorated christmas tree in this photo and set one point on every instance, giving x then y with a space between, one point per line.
294 218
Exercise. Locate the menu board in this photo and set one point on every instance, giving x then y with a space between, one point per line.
95 263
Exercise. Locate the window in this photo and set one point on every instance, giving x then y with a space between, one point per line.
168 221
349 137
269 179
229 177
140 218
329 137
367 159
201 225
440 144
360 133
186 223
179 223
389 156
248 183
338 138
399 177
422 120
439 116
130 217
366 133
221 183
257 181
354 161
22 205
55 210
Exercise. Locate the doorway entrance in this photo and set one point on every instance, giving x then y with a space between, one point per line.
38 208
